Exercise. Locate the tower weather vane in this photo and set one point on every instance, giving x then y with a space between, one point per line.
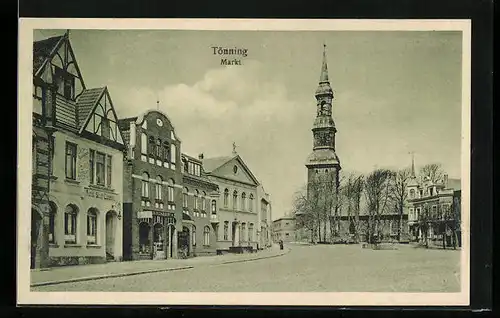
234 147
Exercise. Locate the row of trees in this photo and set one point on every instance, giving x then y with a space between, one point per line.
382 192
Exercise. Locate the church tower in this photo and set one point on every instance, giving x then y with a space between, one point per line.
323 164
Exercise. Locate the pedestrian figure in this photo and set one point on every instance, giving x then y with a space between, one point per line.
281 244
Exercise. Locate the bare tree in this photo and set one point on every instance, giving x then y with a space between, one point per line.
351 194
377 191
399 194
304 209
433 170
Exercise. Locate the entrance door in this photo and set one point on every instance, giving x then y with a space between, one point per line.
158 251
36 222
233 233
110 234
183 242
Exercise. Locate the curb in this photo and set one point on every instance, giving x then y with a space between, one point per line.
82 279
96 277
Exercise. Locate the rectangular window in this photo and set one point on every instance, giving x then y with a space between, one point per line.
185 200
226 229
91 166
70 161
108 170
100 169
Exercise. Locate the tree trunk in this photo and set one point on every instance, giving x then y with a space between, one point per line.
444 236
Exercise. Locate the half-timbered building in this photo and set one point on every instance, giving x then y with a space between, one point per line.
77 163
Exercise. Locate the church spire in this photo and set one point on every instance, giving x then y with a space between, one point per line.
324 67
412 164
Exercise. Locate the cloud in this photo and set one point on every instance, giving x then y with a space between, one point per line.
241 104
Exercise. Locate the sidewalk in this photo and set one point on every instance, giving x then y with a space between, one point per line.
65 274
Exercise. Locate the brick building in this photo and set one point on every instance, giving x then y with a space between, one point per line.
236 218
284 229
78 162
152 207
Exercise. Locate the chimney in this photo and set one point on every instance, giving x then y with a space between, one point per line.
445 181
200 156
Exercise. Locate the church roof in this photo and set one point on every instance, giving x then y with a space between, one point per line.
210 164
323 156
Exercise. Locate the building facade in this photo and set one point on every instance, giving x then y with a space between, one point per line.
200 200
265 218
434 211
236 218
152 189
284 229
83 162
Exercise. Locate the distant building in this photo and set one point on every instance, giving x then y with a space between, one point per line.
237 216
284 229
434 208
264 222
78 163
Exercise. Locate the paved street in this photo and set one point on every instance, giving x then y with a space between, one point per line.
320 268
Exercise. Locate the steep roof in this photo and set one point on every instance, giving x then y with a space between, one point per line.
86 102
42 50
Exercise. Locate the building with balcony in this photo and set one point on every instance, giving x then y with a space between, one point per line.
153 192
200 197
236 219
78 162
284 229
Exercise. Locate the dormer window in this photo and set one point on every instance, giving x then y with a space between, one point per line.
65 83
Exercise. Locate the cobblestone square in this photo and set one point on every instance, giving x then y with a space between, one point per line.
320 268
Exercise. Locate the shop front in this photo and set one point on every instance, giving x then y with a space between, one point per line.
157 235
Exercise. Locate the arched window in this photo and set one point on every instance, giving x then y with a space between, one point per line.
145 185
196 199
235 200
412 193
250 232
214 207
171 183
206 236
92 226
158 188
185 198
243 232
226 197
52 222
250 204
144 144
204 201
226 230
243 201
70 223
173 153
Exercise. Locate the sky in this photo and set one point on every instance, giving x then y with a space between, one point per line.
396 92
